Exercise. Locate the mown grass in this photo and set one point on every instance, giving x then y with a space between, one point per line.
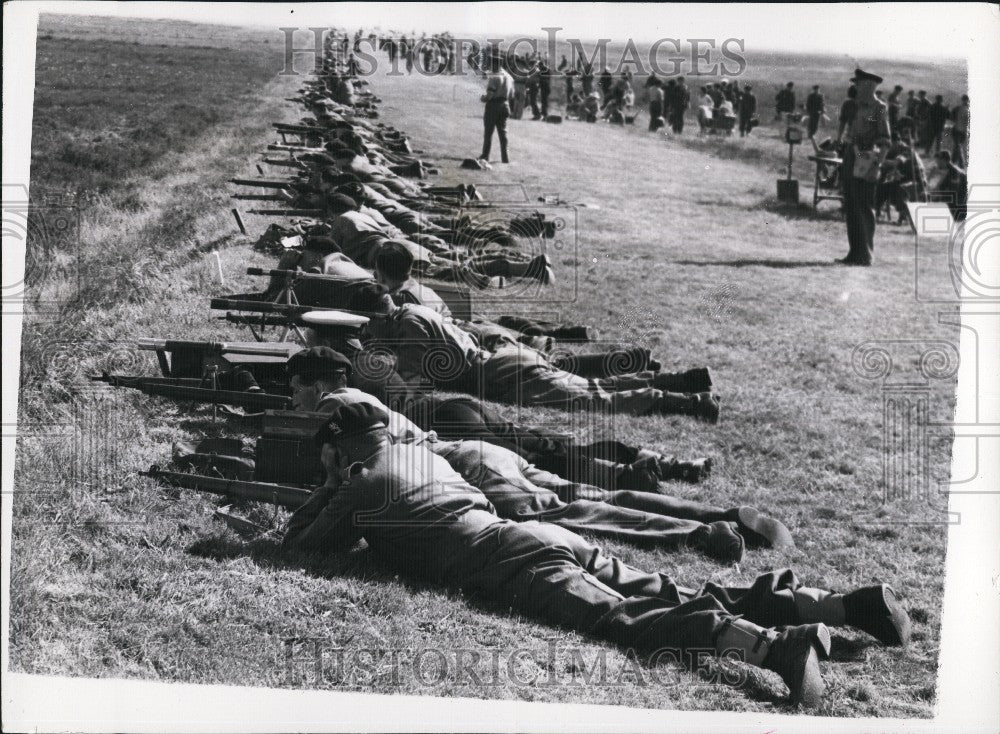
688 253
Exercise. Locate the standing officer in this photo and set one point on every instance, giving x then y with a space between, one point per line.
499 90
815 107
867 140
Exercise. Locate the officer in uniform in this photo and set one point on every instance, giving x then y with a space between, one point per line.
867 138
417 513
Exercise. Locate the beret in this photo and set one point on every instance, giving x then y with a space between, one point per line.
317 361
350 420
342 203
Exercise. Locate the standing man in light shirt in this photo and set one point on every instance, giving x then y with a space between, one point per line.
867 139
499 89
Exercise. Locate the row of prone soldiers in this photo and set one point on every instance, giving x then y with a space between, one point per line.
416 455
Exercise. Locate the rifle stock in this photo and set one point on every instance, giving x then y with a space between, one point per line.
290 498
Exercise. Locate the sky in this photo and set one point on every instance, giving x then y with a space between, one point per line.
882 30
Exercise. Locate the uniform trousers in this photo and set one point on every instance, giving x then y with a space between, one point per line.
552 574
519 491
599 464
495 116
859 213
520 376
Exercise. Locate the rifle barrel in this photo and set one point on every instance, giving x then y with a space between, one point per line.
172 345
288 212
259 197
276 494
248 400
233 304
299 275
264 183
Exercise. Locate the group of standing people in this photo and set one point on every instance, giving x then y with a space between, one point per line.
930 119
436 54
668 103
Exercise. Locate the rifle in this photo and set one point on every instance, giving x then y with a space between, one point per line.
287 163
299 275
290 498
288 309
188 389
284 351
292 128
260 197
294 148
284 309
264 183
314 213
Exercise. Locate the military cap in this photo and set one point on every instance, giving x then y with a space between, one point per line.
864 76
350 420
342 203
315 362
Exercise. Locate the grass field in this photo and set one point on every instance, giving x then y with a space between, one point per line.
682 248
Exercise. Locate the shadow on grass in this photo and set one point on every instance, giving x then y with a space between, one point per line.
847 650
801 211
725 147
763 263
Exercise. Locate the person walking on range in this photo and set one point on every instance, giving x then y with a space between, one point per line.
937 114
867 140
655 93
815 107
895 106
499 90
544 85
677 106
784 101
748 110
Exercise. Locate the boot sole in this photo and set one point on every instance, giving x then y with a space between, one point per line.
900 619
769 532
893 627
811 689
809 693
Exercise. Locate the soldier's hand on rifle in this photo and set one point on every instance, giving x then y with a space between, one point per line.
304 397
